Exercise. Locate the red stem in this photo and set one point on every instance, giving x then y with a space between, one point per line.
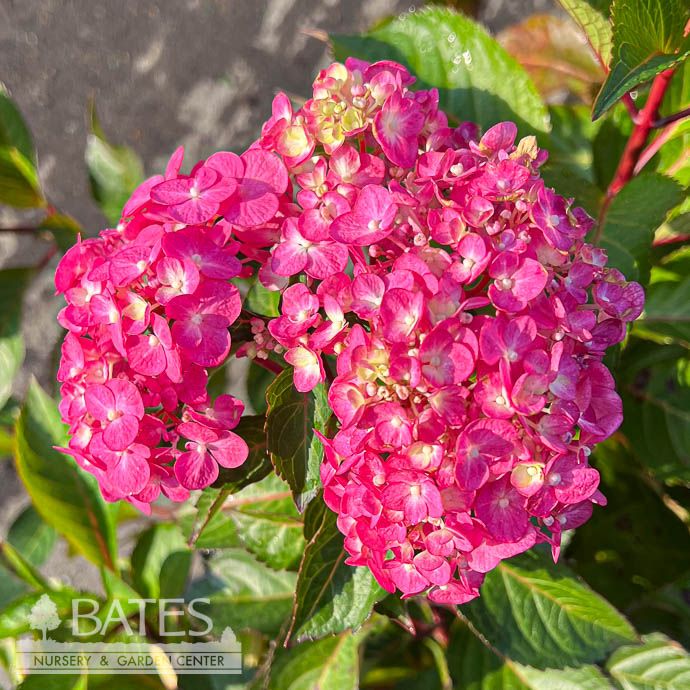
633 149
268 364
654 147
663 121
638 138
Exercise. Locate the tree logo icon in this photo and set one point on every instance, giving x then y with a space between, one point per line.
44 615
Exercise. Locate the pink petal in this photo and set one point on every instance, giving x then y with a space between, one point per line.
130 475
229 450
121 432
196 470
99 401
326 259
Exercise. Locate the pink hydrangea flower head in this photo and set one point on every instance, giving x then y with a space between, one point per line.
426 275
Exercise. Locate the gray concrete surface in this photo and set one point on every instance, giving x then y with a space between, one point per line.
162 72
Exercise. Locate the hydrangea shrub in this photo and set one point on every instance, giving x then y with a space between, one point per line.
431 311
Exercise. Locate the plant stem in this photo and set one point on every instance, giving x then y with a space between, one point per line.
633 149
632 108
663 121
654 147
20 231
268 364
638 138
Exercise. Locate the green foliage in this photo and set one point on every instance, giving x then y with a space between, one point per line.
474 666
632 219
19 185
252 429
262 518
331 596
477 79
619 552
593 18
114 171
244 593
261 301
14 132
657 410
329 663
540 614
657 663
160 562
13 283
647 39
296 453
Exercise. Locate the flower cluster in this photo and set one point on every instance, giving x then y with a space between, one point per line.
149 305
428 276
466 320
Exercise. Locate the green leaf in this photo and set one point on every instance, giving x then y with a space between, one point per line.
647 39
618 553
267 523
32 536
539 614
477 79
29 543
632 219
14 619
252 428
331 596
258 381
295 452
244 593
655 664
570 141
114 171
60 682
208 528
65 496
667 312
474 666
609 143
262 518
593 18
13 283
657 410
160 562
261 301
14 131
329 663
19 184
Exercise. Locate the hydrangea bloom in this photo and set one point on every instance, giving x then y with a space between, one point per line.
149 305
466 335
445 294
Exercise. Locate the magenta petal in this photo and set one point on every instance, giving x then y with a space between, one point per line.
130 475
230 450
194 211
471 472
121 432
99 401
172 191
326 259
196 470
288 259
